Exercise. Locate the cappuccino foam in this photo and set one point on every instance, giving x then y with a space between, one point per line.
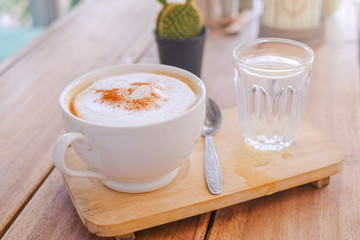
134 99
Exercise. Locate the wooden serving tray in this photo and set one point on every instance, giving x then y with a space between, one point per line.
247 174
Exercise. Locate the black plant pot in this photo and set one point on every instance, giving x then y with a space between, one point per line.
186 54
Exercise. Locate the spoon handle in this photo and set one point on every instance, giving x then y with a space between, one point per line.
212 167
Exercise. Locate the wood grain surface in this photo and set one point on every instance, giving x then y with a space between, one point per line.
247 174
34 203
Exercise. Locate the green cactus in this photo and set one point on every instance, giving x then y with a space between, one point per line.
179 21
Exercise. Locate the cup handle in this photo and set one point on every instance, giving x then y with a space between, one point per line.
60 147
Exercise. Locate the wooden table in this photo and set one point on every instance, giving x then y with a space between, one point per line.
34 203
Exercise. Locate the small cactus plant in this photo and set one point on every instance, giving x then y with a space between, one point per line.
178 21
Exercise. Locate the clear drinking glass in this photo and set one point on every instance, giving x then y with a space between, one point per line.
272 76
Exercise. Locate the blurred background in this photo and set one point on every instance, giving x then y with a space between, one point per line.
23 20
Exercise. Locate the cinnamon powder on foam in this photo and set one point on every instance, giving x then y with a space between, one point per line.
122 97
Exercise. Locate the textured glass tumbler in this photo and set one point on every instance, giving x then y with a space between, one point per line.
272 76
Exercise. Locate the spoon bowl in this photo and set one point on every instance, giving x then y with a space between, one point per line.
213 118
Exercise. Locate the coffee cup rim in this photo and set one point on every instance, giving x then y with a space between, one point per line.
133 68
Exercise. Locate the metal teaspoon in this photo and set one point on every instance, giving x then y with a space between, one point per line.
212 167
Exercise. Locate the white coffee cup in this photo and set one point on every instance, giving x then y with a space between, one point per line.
131 159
